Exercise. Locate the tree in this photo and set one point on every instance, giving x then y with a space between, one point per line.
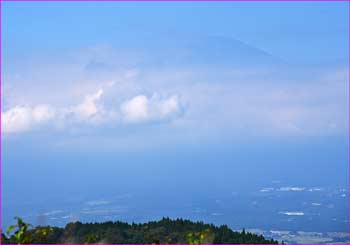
22 234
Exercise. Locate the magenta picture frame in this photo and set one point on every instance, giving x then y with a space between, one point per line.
1 92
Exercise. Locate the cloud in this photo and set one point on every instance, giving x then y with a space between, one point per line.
138 109
293 213
223 101
291 189
142 109
25 118
268 189
89 107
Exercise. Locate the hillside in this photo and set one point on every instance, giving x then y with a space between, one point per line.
165 231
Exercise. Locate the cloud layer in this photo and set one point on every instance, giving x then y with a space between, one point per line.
138 109
25 118
89 107
219 100
142 109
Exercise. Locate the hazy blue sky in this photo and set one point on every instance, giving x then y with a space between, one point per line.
296 32
138 90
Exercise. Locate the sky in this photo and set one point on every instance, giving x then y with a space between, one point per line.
258 89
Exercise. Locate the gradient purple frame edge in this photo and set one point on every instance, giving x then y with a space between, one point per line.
1 94
348 120
1 228
174 0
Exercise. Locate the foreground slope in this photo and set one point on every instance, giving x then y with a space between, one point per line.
164 231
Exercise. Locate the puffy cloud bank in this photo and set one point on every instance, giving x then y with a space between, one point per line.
141 109
138 109
89 107
25 118
220 101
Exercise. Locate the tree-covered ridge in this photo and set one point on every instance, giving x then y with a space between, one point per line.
165 231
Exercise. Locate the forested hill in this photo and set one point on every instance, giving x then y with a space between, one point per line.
165 231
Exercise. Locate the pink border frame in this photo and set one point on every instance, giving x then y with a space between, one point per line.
1 94
174 0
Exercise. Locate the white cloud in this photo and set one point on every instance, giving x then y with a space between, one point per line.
24 118
91 110
136 109
89 107
222 101
141 109
169 106
293 213
268 189
291 188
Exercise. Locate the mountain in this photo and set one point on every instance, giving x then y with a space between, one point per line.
218 51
